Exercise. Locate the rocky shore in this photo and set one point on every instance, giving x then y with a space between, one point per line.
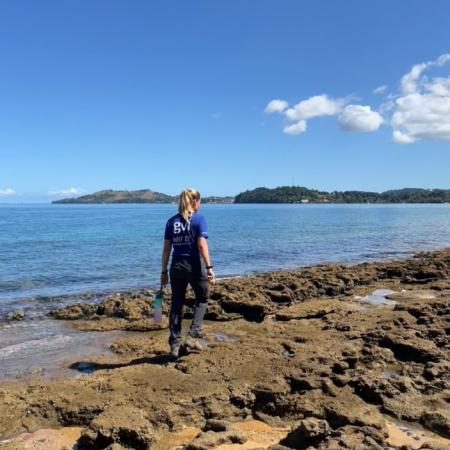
299 359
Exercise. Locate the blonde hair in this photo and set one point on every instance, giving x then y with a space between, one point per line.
187 197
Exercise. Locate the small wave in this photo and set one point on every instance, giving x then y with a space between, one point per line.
32 346
7 325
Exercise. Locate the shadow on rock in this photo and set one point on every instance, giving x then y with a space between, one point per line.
88 367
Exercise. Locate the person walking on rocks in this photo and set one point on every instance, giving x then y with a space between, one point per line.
186 233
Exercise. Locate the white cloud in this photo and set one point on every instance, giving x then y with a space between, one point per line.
386 107
409 82
276 105
296 116
69 192
423 109
439 86
380 90
318 105
443 59
420 110
359 118
7 191
400 138
296 128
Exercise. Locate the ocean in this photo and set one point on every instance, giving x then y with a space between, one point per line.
53 250
50 254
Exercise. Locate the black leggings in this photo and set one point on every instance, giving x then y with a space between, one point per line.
183 272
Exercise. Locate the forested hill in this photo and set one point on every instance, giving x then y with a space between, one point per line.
298 194
283 194
140 196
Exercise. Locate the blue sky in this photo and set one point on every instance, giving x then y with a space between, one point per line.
170 94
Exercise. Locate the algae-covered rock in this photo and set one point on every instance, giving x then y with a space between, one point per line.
309 431
126 426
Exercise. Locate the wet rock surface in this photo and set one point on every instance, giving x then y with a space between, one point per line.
17 315
292 349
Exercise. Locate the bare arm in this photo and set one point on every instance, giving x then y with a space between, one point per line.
204 253
167 246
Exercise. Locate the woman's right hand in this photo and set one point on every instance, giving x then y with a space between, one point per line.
211 276
164 279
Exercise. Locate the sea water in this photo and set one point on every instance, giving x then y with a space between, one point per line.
51 254
52 250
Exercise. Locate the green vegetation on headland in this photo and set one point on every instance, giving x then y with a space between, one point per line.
140 196
283 194
297 194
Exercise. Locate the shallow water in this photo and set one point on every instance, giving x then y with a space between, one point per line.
377 298
45 347
412 434
392 371
222 337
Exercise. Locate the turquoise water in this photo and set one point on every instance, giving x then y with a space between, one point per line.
49 251
52 250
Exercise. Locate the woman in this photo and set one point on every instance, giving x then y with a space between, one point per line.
187 234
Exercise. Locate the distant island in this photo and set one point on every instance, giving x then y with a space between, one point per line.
297 194
282 194
140 196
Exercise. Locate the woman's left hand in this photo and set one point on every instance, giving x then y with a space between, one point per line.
211 276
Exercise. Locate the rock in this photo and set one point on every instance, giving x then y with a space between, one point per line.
304 383
352 411
126 308
125 426
350 437
351 358
284 296
340 367
372 444
312 428
329 388
374 389
307 432
433 446
437 421
215 312
253 311
308 310
273 421
211 439
217 425
410 348
17 315
242 397
436 370
281 371
74 312
377 435
147 325
341 380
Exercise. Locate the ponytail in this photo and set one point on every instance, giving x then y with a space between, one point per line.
187 197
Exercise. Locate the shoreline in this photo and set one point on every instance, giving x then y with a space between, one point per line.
294 349
100 295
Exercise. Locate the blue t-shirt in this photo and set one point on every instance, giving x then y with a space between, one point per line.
184 235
